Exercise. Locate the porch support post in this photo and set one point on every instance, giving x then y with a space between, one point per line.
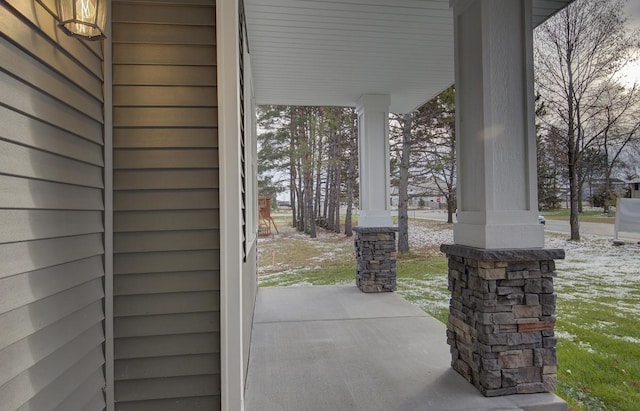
373 156
497 180
501 318
375 236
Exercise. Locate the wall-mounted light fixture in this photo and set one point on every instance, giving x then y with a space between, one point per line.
83 18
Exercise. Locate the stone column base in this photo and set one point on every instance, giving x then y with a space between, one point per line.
501 321
375 258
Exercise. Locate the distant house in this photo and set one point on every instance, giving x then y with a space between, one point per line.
595 187
428 192
634 185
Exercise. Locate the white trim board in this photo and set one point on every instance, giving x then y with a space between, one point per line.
232 378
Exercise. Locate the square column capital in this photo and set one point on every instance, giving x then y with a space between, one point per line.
373 102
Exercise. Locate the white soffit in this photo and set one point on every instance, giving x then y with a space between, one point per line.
330 52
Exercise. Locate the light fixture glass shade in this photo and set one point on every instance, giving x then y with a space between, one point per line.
83 18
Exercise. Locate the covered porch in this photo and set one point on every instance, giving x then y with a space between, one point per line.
344 351
335 348
127 188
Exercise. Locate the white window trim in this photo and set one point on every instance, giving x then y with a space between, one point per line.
227 39
108 218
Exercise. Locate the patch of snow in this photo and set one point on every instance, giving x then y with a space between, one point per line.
301 284
626 338
587 347
601 325
564 335
422 235
593 268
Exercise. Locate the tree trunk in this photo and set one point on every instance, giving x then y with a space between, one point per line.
580 194
292 199
607 195
300 194
336 190
325 209
403 187
573 193
451 197
351 175
450 208
307 168
572 157
292 168
329 198
348 223
319 153
311 221
607 173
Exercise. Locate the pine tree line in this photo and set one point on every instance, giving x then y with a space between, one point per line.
312 153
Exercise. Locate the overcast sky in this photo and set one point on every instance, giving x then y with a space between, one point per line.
631 73
633 11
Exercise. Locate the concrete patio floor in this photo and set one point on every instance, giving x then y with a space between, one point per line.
335 348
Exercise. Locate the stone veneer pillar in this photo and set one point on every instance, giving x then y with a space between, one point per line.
501 321
375 258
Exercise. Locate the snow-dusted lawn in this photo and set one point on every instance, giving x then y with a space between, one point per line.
594 268
598 313
291 252
598 327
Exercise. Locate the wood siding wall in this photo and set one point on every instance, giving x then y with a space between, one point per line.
51 214
166 222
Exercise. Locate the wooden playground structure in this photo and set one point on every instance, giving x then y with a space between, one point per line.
265 219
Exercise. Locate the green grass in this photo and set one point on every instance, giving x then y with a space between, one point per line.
588 216
598 350
423 281
597 372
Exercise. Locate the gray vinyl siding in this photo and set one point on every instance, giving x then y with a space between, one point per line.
166 217
51 215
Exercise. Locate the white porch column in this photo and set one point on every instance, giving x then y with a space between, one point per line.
502 345
373 156
497 190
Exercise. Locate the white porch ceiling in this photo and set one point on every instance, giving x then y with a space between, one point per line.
330 52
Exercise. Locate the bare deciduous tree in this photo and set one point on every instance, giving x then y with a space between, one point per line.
578 54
